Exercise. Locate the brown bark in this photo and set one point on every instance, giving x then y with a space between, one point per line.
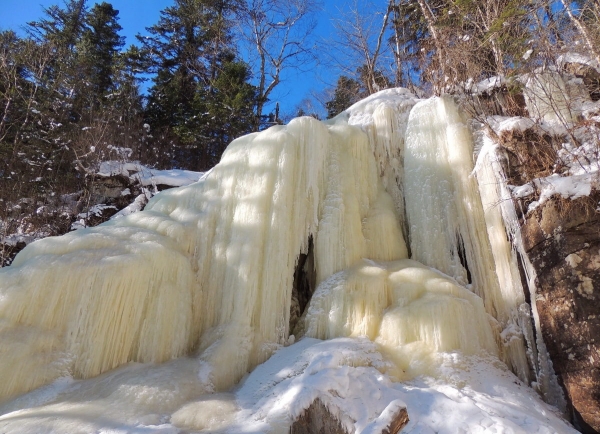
431 26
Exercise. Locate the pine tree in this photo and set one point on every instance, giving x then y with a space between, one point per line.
190 51
346 93
349 90
100 46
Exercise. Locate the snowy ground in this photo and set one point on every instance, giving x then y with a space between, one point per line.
474 394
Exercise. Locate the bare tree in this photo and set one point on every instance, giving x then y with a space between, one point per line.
431 21
587 33
361 36
279 34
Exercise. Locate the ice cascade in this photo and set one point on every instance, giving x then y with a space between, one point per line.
207 270
444 209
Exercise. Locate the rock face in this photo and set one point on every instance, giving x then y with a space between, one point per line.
562 239
317 419
590 77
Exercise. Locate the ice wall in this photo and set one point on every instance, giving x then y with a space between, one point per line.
520 319
384 116
205 268
553 97
444 210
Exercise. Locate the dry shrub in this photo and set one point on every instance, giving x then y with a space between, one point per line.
514 104
566 214
531 155
577 211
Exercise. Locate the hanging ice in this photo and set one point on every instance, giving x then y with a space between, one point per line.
208 269
444 211
552 97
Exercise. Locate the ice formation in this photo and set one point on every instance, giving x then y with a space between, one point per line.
207 267
554 98
405 307
207 271
520 319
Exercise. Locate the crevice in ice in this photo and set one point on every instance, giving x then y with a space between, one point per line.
304 284
522 274
462 256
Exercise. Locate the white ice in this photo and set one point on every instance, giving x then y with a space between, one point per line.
201 282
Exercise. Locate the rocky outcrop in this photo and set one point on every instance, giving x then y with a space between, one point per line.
562 240
588 74
318 419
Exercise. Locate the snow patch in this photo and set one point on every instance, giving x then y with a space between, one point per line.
147 176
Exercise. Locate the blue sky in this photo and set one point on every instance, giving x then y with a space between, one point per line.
134 17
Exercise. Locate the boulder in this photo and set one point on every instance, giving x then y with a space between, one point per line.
562 240
318 419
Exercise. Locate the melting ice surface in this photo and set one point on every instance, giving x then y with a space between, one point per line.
145 324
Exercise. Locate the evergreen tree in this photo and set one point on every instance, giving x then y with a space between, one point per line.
11 81
62 27
77 97
190 51
409 33
346 93
100 47
348 90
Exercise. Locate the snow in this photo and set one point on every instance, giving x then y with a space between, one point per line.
568 187
591 110
487 85
137 205
522 191
147 176
573 57
580 170
501 124
96 210
14 239
474 394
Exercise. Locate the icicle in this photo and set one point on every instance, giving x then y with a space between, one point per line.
501 218
444 211
209 266
509 314
384 117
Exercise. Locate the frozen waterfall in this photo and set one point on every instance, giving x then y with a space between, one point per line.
205 273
